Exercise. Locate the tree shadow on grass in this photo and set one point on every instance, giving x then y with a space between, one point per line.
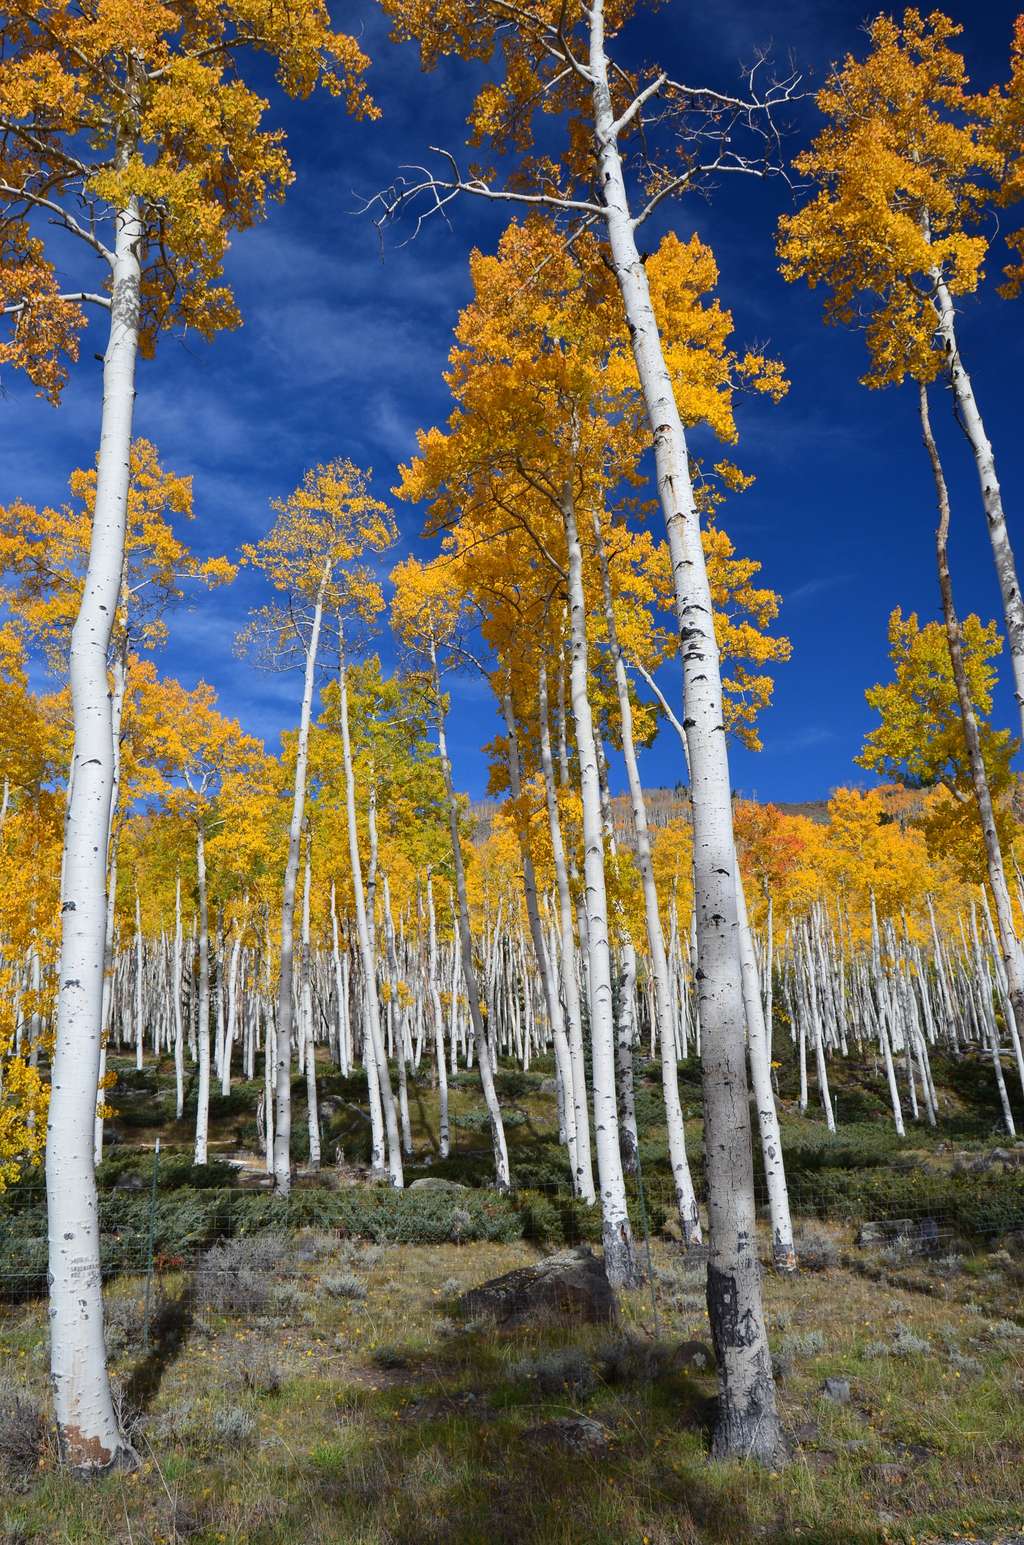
170 1322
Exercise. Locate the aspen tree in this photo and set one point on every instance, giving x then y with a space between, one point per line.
906 172
200 749
146 148
542 371
555 60
310 555
425 613
905 167
934 731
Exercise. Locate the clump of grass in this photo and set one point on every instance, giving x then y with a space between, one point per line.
232 1426
288 1299
816 1251
258 1371
131 1418
236 1277
804 1343
314 1245
343 1284
905 1343
390 1358
962 1363
461 1223
807 1343
567 1369
1006 1330
24 1434
122 1325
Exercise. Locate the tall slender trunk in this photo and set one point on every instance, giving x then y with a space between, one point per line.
443 1129
232 1014
747 1422
686 1200
971 422
577 1093
398 1010
341 990
1009 947
366 949
139 1028
619 1253
119 676
783 1247
88 1433
203 1026
306 1029
179 1034
285 1012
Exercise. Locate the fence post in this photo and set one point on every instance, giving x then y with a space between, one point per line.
149 1247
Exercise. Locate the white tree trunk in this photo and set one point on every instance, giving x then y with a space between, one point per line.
577 1092
283 1071
87 1427
231 1019
747 1423
398 1010
444 1140
686 1200
179 1033
203 1026
365 942
972 424
619 1254
307 1029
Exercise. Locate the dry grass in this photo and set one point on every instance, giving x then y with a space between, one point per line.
386 1423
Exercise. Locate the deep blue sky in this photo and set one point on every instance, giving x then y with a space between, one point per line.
342 351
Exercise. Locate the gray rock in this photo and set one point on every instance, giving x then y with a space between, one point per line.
837 1390
572 1285
549 1086
581 1434
884 1231
437 1183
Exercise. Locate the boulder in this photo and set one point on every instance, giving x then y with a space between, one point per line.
581 1434
572 1285
549 1086
436 1183
885 1231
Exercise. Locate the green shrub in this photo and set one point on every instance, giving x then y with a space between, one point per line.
962 1203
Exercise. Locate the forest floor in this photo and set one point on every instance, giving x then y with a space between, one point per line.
302 1387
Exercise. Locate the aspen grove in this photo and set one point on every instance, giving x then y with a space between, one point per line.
374 858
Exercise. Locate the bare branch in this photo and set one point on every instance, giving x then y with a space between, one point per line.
68 221
637 103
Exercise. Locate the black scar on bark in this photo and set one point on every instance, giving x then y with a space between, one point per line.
749 1429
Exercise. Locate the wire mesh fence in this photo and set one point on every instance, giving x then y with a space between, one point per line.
176 1238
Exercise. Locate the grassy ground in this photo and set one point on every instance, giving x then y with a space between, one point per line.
300 1387
304 1411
